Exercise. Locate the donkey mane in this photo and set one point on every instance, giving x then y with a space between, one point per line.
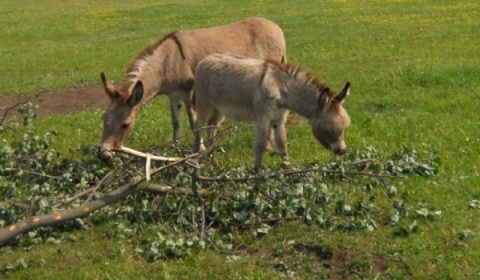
136 64
147 51
296 72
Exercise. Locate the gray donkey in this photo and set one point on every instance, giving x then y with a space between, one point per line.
168 67
264 91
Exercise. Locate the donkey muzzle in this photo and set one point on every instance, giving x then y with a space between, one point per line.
105 155
339 149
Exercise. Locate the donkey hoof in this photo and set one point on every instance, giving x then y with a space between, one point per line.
256 170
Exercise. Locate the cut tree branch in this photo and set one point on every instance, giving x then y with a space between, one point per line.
11 231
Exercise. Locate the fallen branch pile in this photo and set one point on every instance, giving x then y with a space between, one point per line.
192 204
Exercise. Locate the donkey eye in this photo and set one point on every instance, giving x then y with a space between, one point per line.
125 126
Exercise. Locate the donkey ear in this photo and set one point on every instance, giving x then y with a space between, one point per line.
342 95
109 88
323 99
137 94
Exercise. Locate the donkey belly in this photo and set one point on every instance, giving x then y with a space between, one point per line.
235 113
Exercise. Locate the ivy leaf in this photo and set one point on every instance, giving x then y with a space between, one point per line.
263 230
423 212
393 220
465 234
392 191
232 258
413 227
474 203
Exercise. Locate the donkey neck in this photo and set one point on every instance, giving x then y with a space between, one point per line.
148 70
301 98
154 69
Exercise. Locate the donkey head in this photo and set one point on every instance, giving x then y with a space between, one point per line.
119 117
331 119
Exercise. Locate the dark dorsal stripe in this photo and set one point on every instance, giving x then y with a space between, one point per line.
179 45
172 36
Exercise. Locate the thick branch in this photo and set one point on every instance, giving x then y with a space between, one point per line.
146 155
8 233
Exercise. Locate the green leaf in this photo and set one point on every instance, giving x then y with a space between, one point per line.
263 230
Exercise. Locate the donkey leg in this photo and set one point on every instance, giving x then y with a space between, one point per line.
281 141
197 134
201 120
262 128
215 120
188 100
271 139
176 114
280 138
198 144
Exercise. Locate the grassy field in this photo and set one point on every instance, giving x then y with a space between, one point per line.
415 73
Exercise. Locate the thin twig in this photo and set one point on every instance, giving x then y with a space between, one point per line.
292 172
8 109
289 172
73 198
34 173
362 161
274 220
98 185
90 191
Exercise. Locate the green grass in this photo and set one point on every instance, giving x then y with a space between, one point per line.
414 68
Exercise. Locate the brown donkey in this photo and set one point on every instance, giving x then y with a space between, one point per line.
168 67
264 91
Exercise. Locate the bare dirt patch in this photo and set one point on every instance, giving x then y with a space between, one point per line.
69 100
